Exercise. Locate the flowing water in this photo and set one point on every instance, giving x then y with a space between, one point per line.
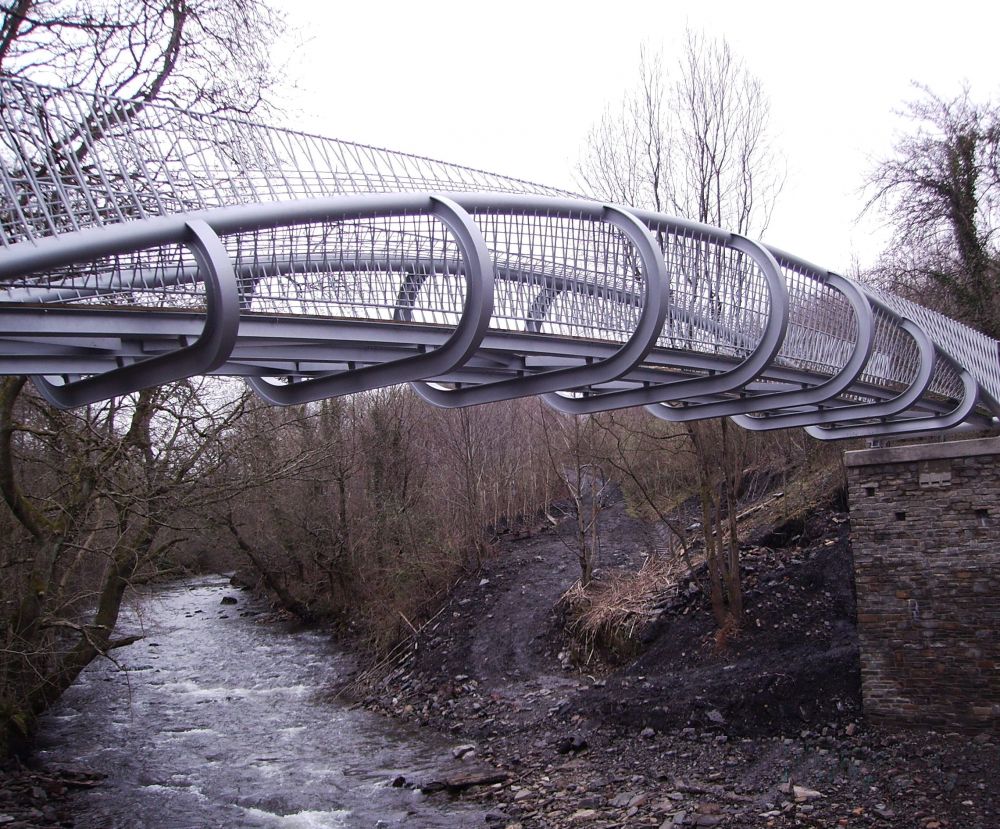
222 721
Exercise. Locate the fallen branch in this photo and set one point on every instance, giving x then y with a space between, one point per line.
461 782
750 510
87 632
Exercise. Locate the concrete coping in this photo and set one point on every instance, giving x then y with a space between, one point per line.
923 452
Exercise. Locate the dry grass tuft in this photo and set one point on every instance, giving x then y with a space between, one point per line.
607 617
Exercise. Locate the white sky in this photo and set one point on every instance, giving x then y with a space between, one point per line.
514 87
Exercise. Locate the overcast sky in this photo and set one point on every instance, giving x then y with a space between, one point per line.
514 87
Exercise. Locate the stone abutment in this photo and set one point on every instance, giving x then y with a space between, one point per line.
925 525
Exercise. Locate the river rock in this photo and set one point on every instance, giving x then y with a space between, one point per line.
802 794
571 744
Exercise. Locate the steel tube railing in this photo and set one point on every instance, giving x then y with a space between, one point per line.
372 267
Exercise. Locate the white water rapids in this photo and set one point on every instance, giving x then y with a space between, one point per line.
222 721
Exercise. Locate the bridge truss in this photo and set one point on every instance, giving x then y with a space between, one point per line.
143 244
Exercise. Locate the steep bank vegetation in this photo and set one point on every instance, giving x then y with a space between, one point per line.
393 500
362 511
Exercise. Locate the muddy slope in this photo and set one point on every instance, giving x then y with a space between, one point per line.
693 731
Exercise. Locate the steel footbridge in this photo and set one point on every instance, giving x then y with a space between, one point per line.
143 244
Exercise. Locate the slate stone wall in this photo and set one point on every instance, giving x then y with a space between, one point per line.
925 526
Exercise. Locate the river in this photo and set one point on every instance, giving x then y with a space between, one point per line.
220 720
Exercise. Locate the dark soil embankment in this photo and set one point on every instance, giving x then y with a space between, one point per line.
795 662
696 730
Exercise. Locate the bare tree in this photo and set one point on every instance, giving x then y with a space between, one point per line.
625 159
493 475
94 499
645 453
696 142
940 191
191 53
572 446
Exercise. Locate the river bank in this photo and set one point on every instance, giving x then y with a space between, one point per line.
488 722
762 730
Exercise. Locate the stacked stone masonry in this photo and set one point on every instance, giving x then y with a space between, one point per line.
925 524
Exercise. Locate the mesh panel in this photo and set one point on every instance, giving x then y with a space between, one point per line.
402 267
571 276
822 328
719 297
895 359
162 277
69 161
968 347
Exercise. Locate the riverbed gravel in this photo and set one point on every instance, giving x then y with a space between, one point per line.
761 729
765 729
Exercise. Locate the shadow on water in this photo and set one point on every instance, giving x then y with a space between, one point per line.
219 721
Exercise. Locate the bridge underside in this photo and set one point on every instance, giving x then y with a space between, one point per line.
151 248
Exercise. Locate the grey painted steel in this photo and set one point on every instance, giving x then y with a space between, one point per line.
883 409
170 244
631 353
718 383
204 355
922 425
454 352
739 408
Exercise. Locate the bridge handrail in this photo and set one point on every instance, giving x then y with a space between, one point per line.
679 315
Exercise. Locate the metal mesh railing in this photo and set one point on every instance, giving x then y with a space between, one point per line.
894 360
401 267
719 300
565 275
560 267
157 278
822 327
70 160
968 347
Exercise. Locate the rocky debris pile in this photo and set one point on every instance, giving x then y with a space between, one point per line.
761 730
851 777
36 799
794 663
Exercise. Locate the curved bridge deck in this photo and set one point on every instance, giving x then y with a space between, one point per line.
142 244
